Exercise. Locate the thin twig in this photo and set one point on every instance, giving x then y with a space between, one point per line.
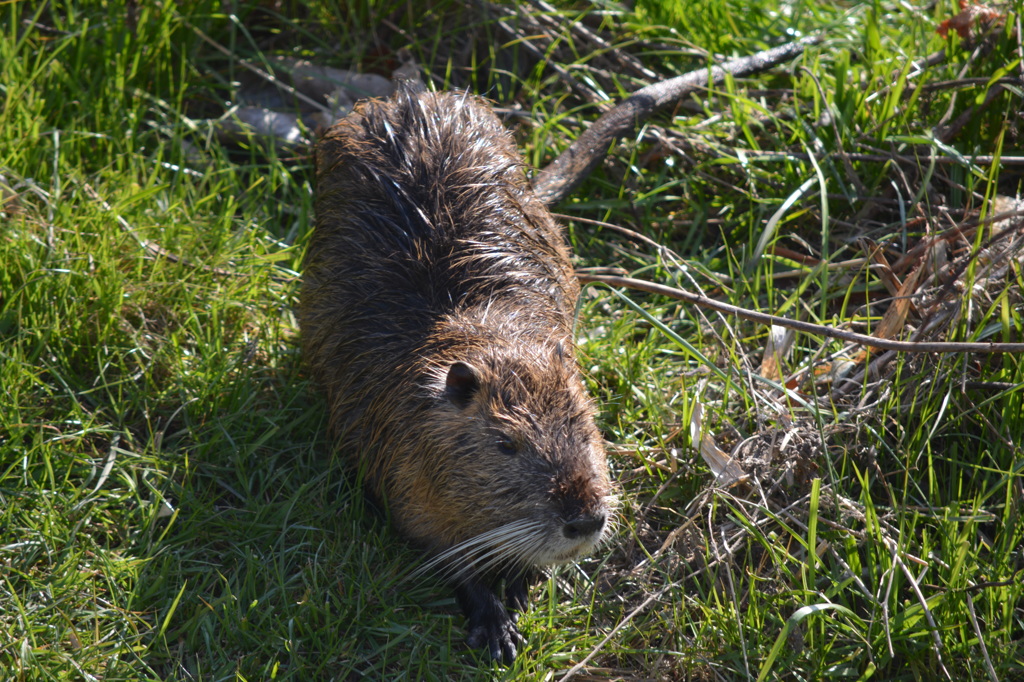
947 133
269 77
621 230
151 248
978 159
933 628
840 150
981 640
1007 231
580 29
157 251
621 624
539 55
807 327
959 83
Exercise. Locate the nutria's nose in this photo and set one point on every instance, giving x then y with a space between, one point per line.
584 525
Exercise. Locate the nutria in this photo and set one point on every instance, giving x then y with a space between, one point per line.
437 312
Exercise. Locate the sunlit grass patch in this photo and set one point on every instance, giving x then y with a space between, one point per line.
169 505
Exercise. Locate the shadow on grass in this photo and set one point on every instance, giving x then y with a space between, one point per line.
274 565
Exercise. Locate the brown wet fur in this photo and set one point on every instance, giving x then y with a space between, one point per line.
437 312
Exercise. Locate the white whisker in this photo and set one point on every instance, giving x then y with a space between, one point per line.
507 544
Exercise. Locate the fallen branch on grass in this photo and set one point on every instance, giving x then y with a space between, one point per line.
563 175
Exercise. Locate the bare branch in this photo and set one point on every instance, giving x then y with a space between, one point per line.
807 327
560 177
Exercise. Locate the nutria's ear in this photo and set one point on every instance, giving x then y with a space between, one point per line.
462 382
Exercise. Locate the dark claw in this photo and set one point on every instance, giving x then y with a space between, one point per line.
490 625
500 639
516 596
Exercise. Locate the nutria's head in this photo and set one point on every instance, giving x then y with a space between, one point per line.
518 475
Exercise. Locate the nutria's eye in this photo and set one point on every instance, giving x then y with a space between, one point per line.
506 445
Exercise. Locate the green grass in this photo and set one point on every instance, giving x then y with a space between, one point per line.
170 508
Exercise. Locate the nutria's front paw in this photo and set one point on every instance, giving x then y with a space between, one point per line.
490 625
498 634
